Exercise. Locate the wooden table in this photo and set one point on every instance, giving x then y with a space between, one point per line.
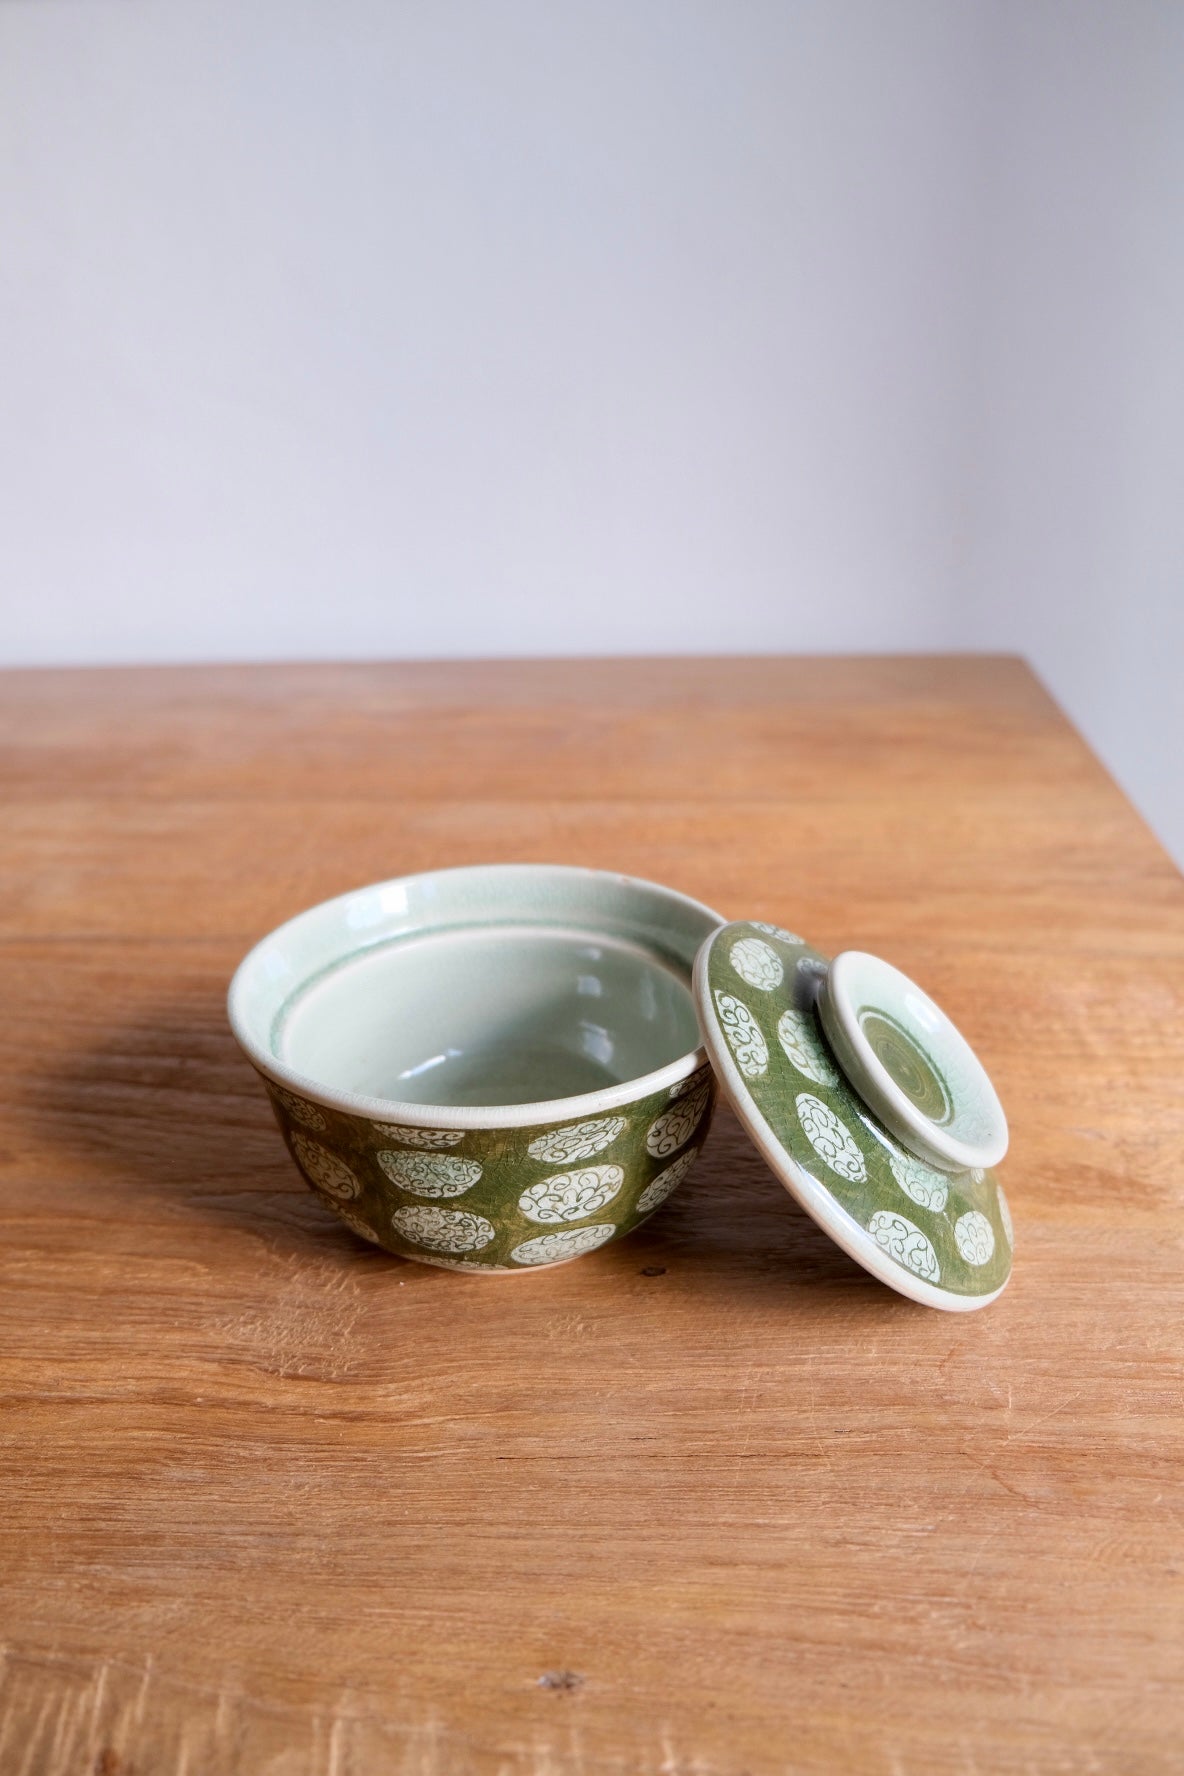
708 1502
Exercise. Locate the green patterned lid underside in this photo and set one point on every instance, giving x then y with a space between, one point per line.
940 1237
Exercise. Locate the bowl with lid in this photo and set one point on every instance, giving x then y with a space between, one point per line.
492 1069
868 1105
499 1069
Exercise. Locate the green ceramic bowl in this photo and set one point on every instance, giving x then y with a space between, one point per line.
491 1069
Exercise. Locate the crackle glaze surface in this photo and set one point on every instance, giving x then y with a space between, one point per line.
505 1199
950 1230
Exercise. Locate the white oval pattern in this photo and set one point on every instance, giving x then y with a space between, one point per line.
920 1183
430 1174
779 931
831 1139
757 963
804 1047
974 1237
906 1243
358 1226
813 968
553 1248
325 1169
677 1124
743 1034
580 1140
442 1230
299 1109
660 1187
417 1137
569 1196
1005 1216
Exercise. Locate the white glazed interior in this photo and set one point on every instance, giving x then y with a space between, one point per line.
494 996
971 1131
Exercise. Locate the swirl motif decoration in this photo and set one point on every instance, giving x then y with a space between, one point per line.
812 968
743 1034
757 963
300 1110
553 1248
804 1047
974 1237
569 1196
579 1140
906 1243
920 1183
1005 1216
660 1187
831 1139
417 1137
325 1170
677 1124
430 1174
702 1077
358 1226
442 1230
779 931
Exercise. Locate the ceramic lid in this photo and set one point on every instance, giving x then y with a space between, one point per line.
867 1103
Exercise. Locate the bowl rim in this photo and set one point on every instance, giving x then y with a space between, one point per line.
462 1116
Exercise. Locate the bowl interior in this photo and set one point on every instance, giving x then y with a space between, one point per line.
502 986
494 1015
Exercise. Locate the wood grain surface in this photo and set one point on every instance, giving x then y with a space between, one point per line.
709 1502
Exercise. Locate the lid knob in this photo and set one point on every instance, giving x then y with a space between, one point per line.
910 1065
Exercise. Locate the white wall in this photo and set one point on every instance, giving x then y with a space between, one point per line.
1077 475
444 327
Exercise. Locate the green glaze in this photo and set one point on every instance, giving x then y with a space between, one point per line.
911 1065
489 1069
932 1234
907 1063
502 1014
499 1199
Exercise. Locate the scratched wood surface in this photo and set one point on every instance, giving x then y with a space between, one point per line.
707 1503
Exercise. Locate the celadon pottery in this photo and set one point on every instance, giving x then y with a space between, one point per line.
854 1128
910 1065
492 1070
